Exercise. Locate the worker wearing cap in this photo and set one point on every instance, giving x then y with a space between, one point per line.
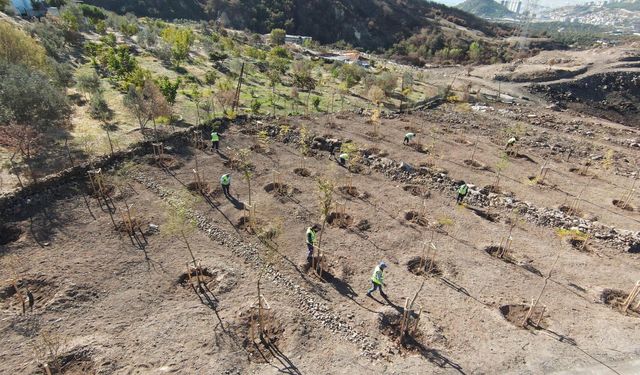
225 181
408 138
377 280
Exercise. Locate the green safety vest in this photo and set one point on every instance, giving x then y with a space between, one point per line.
215 137
311 236
225 179
377 277
344 156
410 136
463 189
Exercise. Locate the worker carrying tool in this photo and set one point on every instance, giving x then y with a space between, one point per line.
225 181
312 233
377 280
408 138
463 190
343 158
215 140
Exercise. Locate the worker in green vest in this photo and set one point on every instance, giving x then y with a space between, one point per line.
215 140
463 190
312 233
408 138
343 158
225 181
377 280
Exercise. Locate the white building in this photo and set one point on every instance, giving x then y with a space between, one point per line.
26 8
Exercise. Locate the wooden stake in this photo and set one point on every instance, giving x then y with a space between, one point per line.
632 296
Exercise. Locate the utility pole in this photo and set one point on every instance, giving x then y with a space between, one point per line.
236 100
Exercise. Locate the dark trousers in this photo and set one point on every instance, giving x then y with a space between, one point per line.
406 141
460 198
309 252
225 189
215 144
342 162
375 287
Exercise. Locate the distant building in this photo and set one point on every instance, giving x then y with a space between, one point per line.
513 5
297 39
348 57
29 8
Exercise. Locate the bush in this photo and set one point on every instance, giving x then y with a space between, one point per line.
92 12
217 56
28 97
280 52
16 47
51 38
277 37
99 108
88 82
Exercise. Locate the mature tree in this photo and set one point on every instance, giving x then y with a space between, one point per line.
303 79
274 77
181 40
157 103
351 74
226 94
99 110
388 82
475 52
134 101
376 95
277 37
169 89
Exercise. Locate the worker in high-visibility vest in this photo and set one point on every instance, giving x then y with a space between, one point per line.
343 158
408 138
510 143
312 233
377 280
215 140
463 190
225 181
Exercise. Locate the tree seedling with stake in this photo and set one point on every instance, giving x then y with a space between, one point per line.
428 254
325 200
505 244
410 319
262 321
99 190
158 153
534 303
246 167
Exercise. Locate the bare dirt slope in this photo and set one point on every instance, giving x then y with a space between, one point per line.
114 306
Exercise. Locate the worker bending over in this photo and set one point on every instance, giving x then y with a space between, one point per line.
408 138
343 158
463 190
